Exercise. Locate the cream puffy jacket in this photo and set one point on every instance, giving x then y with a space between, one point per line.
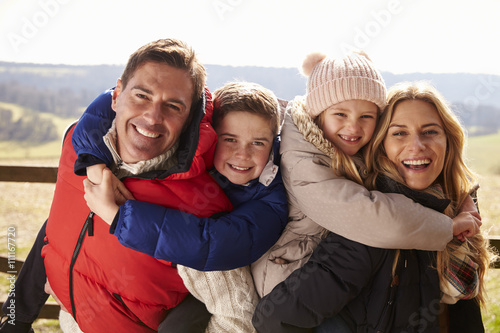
320 201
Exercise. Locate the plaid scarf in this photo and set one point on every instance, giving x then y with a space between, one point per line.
460 280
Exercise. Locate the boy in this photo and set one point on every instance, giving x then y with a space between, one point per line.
246 120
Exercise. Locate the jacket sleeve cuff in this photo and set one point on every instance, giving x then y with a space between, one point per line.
83 161
112 228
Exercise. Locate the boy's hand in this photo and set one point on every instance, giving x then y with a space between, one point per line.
101 198
95 174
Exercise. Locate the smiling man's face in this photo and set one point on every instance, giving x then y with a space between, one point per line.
151 111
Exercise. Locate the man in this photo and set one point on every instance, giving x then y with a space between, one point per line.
162 144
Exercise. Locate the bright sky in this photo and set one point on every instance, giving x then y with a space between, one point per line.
441 36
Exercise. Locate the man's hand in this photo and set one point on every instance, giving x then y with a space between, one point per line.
101 198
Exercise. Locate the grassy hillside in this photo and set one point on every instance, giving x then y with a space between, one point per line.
483 153
13 150
19 111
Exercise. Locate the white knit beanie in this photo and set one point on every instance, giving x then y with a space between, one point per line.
334 80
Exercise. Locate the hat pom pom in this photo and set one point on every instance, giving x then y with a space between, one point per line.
361 53
312 60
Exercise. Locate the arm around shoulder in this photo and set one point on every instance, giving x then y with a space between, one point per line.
369 217
88 134
230 241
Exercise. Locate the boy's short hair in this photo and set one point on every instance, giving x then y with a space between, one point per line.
249 97
172 52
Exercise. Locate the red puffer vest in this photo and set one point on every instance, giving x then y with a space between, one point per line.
106 286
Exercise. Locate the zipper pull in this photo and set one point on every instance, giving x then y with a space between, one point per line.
90 223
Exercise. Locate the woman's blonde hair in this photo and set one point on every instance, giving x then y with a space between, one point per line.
456 179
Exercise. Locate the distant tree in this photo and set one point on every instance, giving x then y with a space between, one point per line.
29 128
485 119
5 124
63 102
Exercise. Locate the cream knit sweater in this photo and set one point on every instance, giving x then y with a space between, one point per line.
230 297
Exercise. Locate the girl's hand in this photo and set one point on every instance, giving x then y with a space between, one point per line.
466 224
469 206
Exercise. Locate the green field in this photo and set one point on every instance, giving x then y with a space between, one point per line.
484 157
484 154
12 150
26 205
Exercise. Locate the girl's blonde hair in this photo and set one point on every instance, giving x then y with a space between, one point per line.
350 167
456 179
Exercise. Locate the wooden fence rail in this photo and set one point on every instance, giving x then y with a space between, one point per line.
43 174
32 174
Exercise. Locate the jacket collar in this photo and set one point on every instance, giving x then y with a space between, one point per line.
385 184
271 169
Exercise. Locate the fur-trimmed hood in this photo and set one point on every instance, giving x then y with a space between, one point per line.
305 128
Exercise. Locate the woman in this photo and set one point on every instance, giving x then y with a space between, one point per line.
418 152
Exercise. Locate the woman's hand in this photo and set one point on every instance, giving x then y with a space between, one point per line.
104 198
